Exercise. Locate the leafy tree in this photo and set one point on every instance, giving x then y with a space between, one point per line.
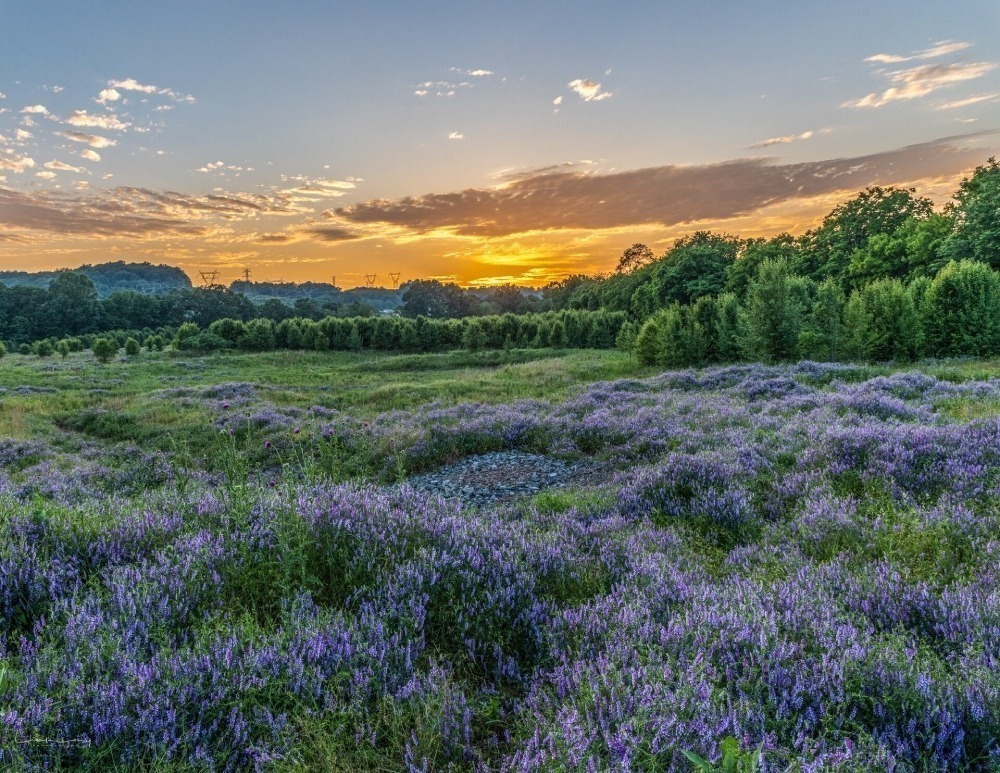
186 333
232 330
3 350
105 349
962 311
976 210
132 347
912 250
354 339
259 336
826 324
431 298
72 305
557 335
694 266
729 330
884 323
849 227
636 256
43 348
63 348
741 271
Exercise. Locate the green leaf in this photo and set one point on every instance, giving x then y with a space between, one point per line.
700 763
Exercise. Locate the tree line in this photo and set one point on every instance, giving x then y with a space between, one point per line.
883 277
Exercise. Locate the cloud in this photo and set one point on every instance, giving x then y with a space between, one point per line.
211 167
131 84
788 139
940 49
922 80
106 121
665 195
557 101
61 167
330 233
21 134
46 175
108 95
456 136
967 101
130 212
90 155
35 110
12 162
440 88
91 139
589 91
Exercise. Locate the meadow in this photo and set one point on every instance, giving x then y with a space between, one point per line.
215 563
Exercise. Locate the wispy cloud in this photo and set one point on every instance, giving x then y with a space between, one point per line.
589 91
440 88
91 139
90 155
943 48
46 175
922 79
973 100
456 136
131 84
59 166
787 139
472 73
35 110
665 196
102 121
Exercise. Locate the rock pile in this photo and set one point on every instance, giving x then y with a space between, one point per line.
502 475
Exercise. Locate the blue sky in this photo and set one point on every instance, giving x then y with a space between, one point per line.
480 142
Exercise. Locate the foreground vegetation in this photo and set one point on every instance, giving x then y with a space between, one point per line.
203 565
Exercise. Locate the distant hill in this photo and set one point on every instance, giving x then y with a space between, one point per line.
111 277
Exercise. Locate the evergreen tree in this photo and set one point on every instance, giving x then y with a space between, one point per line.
771 322
962 311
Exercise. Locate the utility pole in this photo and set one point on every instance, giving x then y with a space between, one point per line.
208 277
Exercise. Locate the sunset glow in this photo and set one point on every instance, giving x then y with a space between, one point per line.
481 144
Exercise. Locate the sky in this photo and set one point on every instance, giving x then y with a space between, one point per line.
475 142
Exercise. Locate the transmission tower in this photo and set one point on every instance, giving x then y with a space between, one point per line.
394 277
333 280
208 277
246 275
370 279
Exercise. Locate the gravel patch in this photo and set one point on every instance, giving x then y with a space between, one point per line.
496 477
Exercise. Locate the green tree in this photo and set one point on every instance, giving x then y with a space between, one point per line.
962 311
557 335
63 348
694 266
772 319
625 340
43 348
647 343
976 210
729 330
912 250
354 342
635 257
259 336
849 227
826 324
105 349
72 305
884 323
3 350
132 347
741 271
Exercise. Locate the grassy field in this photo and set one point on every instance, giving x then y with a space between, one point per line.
201 569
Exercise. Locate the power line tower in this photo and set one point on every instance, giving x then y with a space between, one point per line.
333 280
208 277
370 279
394 277
246 275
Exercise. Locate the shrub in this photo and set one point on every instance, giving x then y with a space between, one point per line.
105 349
132 347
